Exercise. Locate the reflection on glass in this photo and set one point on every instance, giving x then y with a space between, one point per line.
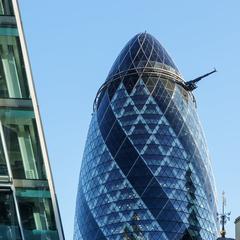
9 229
23 145
6 7
36 213
13 82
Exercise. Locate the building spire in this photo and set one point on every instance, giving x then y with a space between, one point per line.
223 217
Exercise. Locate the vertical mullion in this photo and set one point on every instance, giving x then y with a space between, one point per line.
18 213
11 179
5 152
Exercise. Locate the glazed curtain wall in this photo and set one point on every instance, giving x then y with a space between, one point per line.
146 171
136 162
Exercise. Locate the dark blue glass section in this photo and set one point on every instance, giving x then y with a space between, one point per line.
86 221
143 50
130 81
181 129
139 175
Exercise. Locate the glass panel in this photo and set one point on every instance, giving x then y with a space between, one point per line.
23 145
13 82
9 229
6 7
3 165
36 213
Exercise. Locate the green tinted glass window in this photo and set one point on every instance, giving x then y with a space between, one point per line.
36 213
6 7
23 147
9 229
13 83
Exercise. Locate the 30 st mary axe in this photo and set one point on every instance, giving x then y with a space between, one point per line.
28 205
146 171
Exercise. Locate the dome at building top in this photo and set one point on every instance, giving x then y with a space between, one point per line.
143 50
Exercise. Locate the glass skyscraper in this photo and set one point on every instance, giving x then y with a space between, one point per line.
28 205
146 172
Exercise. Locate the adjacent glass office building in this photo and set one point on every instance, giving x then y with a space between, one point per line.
146 171
28 206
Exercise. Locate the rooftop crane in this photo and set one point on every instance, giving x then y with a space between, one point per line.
191 85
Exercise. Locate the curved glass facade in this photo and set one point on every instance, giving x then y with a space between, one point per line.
146 171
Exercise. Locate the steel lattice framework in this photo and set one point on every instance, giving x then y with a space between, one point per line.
146 171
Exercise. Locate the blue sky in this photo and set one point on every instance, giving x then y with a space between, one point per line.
73 44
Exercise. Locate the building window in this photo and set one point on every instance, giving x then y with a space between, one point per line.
6 7
23 147
13 83
3 165
36 214
8 218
